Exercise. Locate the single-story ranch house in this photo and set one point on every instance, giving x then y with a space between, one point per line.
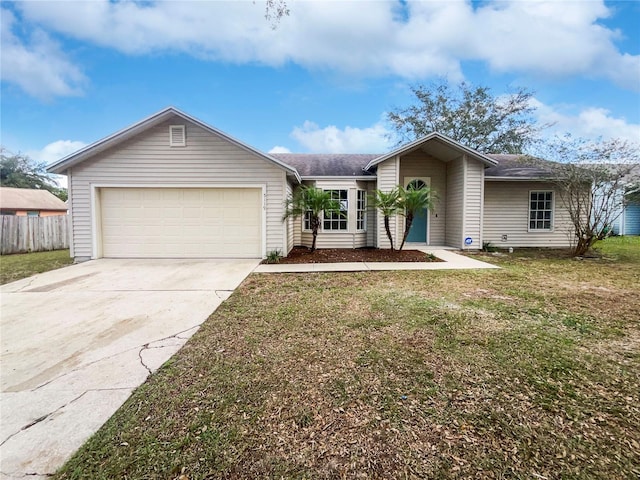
173 186
30 202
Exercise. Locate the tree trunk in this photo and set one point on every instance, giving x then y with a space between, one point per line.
386 227
583 246
407 227
315 225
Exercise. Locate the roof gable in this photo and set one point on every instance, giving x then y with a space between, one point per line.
127 133
440 141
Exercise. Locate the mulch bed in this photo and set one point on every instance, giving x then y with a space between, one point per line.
341 255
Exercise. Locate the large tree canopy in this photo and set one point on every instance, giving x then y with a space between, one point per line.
20 171
470 115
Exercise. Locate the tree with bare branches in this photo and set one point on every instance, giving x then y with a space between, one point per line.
592 178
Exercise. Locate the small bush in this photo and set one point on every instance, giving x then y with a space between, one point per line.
274 256
488 247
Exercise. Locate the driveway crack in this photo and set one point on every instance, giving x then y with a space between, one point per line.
41 419
31 280
145 347
229 292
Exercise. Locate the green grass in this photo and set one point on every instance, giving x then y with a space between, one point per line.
22 265
530 371
622 248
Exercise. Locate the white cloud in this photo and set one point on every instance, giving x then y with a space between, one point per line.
366 37
55 151
589 122
279 149
39 67
331 139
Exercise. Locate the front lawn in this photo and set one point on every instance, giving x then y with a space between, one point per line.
531 371
22 265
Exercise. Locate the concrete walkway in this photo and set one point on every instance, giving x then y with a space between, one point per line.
76 341
451 261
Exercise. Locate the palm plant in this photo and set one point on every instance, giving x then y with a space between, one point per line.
412 200
388 204
310 201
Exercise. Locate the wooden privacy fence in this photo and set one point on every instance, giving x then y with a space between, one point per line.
33 234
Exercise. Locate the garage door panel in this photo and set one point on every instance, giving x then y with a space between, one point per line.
177 222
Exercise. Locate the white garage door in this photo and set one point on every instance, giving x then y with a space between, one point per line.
181 222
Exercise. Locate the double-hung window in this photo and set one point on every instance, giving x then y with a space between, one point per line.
361 210
337 220
307 221
540 211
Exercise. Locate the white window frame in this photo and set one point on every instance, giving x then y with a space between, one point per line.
530 211
306 221
183 135
344 208
361 210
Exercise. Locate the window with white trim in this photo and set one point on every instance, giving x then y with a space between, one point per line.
177 136
540 210
337 220
361 210
306 221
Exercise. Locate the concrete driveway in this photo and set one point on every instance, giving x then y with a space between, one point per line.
76 342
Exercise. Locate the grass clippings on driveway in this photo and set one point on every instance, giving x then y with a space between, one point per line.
23 265
530 371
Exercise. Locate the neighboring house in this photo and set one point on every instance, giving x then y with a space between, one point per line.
172 186
30 202
628 219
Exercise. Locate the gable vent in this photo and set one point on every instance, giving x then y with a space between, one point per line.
177 136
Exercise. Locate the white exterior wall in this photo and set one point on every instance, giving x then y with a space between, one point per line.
419 165
147 159
506 212
473 200
455 203
388 173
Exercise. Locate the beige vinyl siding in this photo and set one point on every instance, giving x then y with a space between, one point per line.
455 203
297 231
290 222
474 174
387 180
297 225
506 212
70 213
419 165
372 216
147 159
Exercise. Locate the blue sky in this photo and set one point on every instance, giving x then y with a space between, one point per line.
322 81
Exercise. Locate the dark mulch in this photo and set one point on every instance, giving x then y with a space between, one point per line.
341 255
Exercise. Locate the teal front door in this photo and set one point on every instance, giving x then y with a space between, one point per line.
418 230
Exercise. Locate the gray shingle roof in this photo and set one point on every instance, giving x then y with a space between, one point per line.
352 165
517 166
328 164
